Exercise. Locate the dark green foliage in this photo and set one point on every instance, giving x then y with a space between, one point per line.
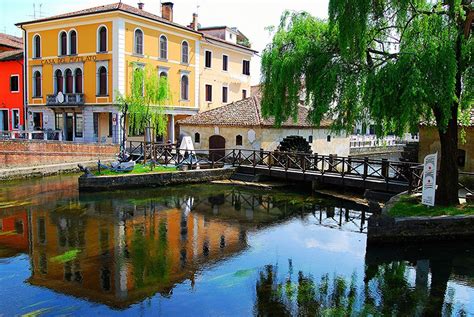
391 60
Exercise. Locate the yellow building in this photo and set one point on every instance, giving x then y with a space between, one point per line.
78 63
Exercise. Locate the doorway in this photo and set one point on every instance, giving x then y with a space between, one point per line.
69 133
3 120
216 147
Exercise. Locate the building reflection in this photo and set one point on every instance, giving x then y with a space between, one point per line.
127 251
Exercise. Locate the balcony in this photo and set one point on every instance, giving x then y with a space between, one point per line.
65 100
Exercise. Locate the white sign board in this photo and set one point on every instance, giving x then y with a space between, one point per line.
429 179
186 145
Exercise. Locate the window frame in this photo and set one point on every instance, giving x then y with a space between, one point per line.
69 40
239 140
246 70
186 91
17 110
78 134
225 62
226 89
187 52
163 37
75 83
99 50
17 83
35 84
210 59
99 82
244 94
36 51
135 42
62 49
197 137
57 82
208 93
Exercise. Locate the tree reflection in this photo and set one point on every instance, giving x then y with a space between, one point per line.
388 293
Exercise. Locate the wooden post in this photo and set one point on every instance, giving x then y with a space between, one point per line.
366 167
349 165
385 169
315 161
331 163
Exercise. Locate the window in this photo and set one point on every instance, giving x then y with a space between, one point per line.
14 83
79 126
163 47
163 74
37 46
224 94
58 121
184 87
102 81
72 42
244 93
197 138
208 59
78 86
15 119
111 120
139 42
185 52
37 84
328 138
102 36
225 62
209 93
238 140
246 67
69 81
310 139
62 43
59 81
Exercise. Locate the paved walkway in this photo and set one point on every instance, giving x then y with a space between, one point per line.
44 170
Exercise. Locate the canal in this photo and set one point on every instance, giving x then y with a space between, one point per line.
212 250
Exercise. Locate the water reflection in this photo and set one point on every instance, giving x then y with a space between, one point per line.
218 250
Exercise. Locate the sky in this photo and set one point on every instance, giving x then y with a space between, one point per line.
251 17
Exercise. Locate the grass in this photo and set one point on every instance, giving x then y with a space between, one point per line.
409 206
138 169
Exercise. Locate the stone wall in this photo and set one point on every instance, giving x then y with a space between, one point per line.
429 143
268 138
22 153
102 183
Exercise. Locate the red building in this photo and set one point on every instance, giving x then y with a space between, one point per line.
11 83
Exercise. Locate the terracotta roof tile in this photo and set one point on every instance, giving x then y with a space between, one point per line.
11 55
11 41
246 112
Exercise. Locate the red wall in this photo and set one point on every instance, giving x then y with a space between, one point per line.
10 100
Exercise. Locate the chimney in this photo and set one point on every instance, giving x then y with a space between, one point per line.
194 24
141 5
167 11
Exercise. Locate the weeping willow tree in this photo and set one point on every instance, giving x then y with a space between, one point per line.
397 62
144 103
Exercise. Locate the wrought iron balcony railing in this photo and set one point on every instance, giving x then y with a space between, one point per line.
65 99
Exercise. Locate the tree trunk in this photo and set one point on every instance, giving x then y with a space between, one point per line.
447 193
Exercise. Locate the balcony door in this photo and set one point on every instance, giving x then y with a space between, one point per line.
69 127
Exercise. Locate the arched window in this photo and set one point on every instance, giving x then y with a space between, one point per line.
197 137
184 87
37 46
102 39
59 81
78 75
69 81
163 47
72 42
185 52
62 43
238 140
139 42
102 81
37 84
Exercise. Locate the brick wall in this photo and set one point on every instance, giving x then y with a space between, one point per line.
429 143
21 153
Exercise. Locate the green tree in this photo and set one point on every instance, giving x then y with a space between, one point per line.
397 61
143 106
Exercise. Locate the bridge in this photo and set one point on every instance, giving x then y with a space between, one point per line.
364 173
